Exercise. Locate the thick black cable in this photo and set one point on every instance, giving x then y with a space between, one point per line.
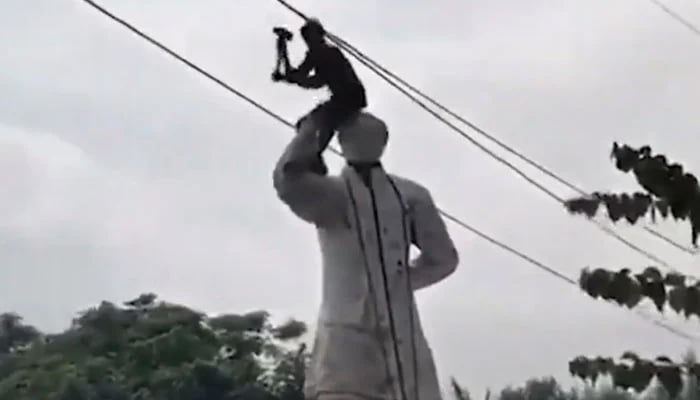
558 274
607 230
522 174
287 123
376 66
679 18
495 140
387 76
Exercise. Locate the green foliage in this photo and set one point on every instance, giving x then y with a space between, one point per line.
14 333
154 350
535 389
600 385
458 391
677 291
149 350
669 190
632 207
636 374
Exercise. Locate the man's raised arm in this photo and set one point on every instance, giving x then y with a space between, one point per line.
314 198
438 257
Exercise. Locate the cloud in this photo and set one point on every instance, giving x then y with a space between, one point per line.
126 172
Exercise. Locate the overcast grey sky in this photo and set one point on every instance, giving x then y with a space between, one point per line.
123 172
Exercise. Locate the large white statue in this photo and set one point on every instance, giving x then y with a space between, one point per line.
369 342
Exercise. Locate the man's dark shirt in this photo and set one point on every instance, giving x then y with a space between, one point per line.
331 66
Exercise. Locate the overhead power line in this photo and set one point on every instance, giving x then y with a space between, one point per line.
392 79
493 139
445 214
679 18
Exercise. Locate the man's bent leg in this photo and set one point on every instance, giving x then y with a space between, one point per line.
323 115
328 116
332 114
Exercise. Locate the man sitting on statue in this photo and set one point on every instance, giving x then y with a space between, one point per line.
330 69
369 341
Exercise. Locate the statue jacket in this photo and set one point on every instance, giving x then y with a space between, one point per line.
369 341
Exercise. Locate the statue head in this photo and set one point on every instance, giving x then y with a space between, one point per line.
363 138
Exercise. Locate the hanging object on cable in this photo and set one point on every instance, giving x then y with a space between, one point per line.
324 66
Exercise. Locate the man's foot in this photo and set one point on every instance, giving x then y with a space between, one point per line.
318 166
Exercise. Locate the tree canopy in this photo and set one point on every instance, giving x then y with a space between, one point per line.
668 190
148 349
152 350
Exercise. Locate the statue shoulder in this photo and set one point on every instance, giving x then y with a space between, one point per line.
409 187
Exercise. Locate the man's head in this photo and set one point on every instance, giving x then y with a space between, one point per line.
313 33
363 138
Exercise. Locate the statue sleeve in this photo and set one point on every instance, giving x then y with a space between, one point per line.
438 257
314 198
